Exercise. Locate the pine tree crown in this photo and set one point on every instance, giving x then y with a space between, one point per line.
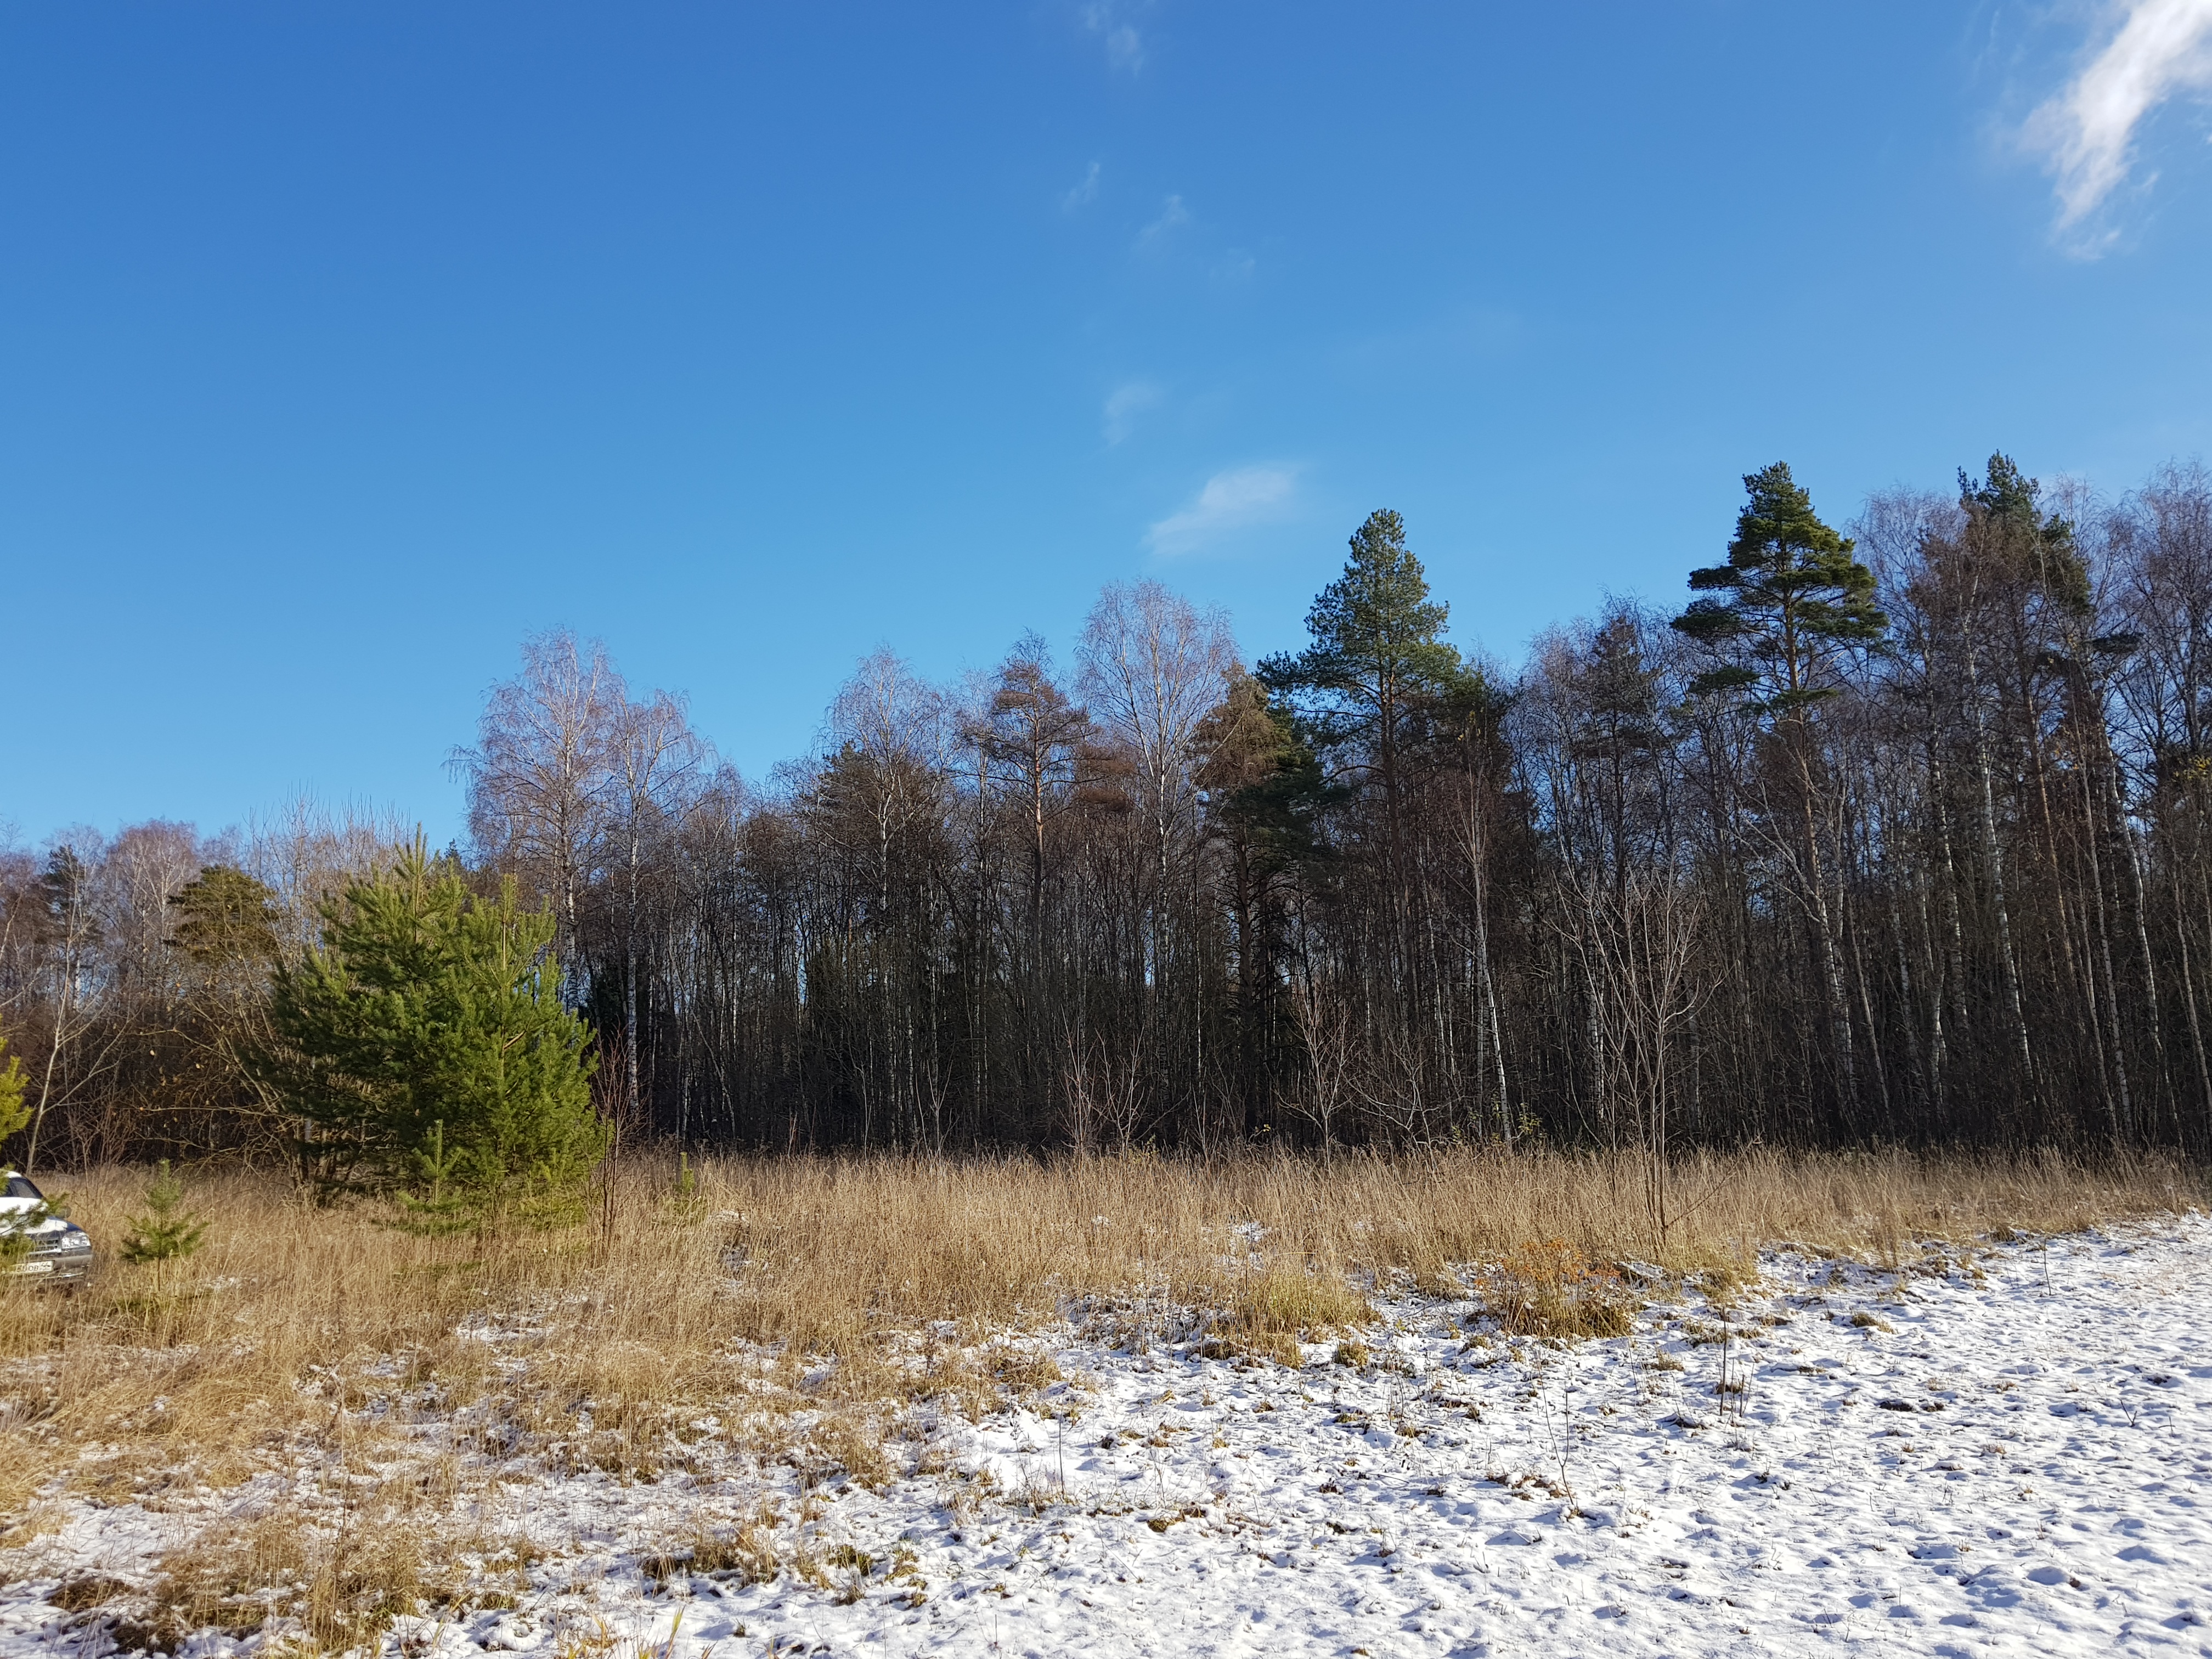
1376 648
1795 600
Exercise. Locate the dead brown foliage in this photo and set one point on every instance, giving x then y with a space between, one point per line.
1548 1287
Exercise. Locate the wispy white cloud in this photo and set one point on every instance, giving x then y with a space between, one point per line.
1084 194
1229 500
1125 47
2159 48
1173 214
1125 402
1177 238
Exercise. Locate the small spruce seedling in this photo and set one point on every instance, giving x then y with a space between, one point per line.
686 1206
444 1206
166 1231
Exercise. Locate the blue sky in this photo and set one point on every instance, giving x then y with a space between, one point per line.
341 346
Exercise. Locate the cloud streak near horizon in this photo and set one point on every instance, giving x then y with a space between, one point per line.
2162 47
1229 501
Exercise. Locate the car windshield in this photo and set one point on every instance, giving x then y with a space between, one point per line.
21 1187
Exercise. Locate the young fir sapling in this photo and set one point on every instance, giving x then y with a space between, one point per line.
444 1205
686 1205
166 1231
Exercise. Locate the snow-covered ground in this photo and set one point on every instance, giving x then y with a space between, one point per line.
2016 1458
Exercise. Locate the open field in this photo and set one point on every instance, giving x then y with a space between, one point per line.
835 1397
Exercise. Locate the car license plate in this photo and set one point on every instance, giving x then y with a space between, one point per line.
36 1268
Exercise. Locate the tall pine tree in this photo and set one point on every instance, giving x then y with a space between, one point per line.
1372 694
1780 618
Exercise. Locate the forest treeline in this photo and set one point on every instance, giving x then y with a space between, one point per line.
1898 836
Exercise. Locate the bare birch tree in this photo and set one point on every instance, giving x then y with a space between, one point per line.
542 777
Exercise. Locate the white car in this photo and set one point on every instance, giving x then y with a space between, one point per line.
60 1252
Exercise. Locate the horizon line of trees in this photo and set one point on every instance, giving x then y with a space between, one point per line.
1896 835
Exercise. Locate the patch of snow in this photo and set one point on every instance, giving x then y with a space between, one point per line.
2018 1464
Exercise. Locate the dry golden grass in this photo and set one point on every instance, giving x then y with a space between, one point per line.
804 1301
1548 1287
